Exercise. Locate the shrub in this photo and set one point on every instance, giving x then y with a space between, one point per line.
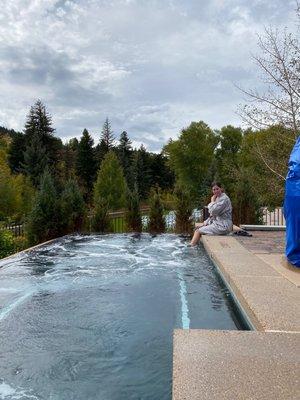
183 210
72 207
101 221
133 215
156 215
44 220
7 245
110 184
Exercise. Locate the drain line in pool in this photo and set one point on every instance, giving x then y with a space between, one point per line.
184 304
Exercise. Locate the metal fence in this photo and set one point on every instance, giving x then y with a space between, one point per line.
118 222
15 229
119 226
274 217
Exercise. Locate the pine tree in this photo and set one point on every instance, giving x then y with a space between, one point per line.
107 135
110 184
44 219
141 172
16 152
156 215
39 142
85 162
35 159
160 173
183 210
39 123
72 207
133 215
101 221
107 141
125 157
100 151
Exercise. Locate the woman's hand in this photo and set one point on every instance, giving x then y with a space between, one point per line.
213 198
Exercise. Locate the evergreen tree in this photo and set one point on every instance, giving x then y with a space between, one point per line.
141 172
72 207
85 162
110 184
107 135
183 210
101 151
7 132
39 123
16 152
101 221
35 159
106 144
40 144
69 158
133 215
156 215
160 173
44 219
125 158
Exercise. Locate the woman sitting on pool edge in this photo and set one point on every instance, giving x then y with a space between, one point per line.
219 221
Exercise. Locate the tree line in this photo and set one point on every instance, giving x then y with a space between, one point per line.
58 188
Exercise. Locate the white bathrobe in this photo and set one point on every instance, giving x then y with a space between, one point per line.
220 217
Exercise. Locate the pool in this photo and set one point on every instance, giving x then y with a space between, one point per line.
91 317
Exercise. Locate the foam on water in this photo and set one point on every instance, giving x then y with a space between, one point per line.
7 392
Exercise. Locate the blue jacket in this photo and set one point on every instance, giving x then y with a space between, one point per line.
292 207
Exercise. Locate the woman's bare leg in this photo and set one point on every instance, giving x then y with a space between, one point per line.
196 238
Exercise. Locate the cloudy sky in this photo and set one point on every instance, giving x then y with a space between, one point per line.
150 66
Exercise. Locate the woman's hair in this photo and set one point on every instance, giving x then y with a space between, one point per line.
217 184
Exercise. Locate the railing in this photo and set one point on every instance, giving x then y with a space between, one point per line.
15 229
274 217
118 219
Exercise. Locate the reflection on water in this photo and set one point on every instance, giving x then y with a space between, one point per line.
91 317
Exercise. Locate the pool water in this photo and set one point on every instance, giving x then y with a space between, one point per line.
91 317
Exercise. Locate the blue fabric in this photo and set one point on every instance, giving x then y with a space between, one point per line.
292 207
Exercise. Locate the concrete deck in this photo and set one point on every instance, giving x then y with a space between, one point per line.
246 365
235 365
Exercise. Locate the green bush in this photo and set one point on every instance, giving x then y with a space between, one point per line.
183 210
44 220
133 215
72 208
156 216
7 244
101 221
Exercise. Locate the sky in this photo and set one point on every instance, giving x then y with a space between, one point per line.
150 66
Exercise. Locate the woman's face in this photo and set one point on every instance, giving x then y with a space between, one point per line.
217 191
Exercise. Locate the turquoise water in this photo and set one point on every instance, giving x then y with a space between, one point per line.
91 317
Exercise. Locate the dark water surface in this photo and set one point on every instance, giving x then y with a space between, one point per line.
91 317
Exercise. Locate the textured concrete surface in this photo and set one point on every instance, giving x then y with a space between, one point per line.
280 264
235 365
264 242
270 300
273 301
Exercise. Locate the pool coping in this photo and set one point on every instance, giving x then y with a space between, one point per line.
211 364
266 298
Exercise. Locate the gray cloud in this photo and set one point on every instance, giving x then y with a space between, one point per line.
150 66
